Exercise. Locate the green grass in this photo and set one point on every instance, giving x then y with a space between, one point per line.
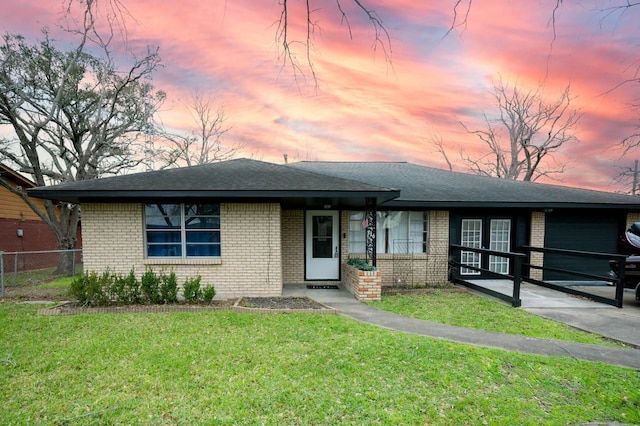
36 276
232 368
472 311
29 277
60 282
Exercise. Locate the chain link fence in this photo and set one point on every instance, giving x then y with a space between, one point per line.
33 268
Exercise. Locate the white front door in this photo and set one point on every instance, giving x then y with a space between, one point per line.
322 241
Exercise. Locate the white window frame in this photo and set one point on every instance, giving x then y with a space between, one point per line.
413 238
357 233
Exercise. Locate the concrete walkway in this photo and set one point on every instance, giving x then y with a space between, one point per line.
348 306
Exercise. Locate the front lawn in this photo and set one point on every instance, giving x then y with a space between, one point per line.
235 368
473 311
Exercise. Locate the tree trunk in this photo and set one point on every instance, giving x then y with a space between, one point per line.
66 263
68 228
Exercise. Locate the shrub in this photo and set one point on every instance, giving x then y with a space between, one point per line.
96 290
208 293
91 289
126 289
191 290
117 290
361 264
132 285
150 286
169 287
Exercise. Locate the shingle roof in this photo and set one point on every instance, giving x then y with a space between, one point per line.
393 184
240 178
426 186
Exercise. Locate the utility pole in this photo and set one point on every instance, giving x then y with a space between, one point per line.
635 178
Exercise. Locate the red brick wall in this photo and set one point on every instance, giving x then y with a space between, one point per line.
36 236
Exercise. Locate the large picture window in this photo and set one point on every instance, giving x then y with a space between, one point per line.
182 230
399 232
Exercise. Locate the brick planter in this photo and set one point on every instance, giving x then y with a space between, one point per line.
364 285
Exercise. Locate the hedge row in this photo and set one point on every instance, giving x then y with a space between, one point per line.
110 288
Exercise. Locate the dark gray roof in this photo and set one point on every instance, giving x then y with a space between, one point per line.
341 184
234 179
429 187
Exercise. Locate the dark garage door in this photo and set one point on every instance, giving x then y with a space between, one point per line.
584 231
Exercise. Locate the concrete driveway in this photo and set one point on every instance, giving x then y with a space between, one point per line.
618 324
615 323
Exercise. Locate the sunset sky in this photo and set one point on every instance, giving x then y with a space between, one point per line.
366 109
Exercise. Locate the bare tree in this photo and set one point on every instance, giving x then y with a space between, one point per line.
71 116
527 132
283 37
437 141
632 141
628 178
203 144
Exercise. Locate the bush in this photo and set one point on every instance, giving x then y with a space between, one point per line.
118 289
169 287
191 290
126 289
361 264
132 285
208 293
150 285
92 290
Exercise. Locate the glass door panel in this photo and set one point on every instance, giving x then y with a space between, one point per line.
471 237
499 240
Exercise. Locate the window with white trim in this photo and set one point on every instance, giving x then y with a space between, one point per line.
357 236
400 232
182 230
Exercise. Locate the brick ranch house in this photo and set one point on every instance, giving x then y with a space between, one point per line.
250 227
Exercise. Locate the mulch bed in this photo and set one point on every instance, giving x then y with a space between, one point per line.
263 305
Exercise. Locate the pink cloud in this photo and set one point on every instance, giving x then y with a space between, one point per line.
365 108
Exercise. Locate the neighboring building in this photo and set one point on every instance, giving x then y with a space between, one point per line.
250 227
20 228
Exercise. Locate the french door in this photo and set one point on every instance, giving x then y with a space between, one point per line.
488 233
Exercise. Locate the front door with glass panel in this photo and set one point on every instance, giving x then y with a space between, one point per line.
475 233
322 251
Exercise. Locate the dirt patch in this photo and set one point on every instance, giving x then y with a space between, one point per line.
280 303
